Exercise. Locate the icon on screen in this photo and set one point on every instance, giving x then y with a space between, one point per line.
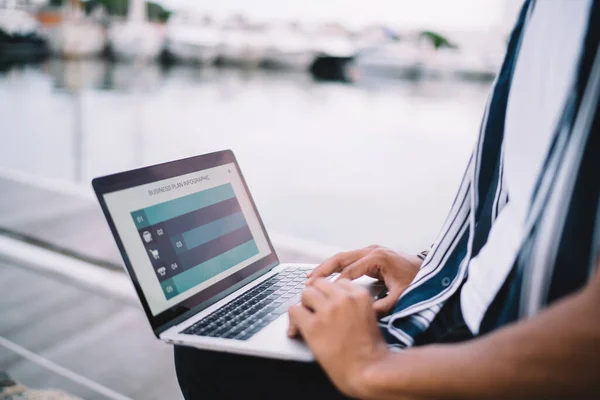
174 266
154 254
169 289
159 232
147 236
162 271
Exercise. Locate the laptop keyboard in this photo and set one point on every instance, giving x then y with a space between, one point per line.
244 316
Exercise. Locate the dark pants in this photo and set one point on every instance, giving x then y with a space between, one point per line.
215 376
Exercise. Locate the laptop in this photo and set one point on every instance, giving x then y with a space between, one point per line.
200 259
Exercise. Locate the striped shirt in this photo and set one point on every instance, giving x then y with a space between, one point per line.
556 247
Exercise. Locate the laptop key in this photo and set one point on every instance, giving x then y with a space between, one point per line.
271 317
219 332
254 309
264 312
289 302
261 324
231 333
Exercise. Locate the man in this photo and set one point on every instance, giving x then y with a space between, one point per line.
504 303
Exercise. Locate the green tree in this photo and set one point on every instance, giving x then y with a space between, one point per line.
120 7
437 40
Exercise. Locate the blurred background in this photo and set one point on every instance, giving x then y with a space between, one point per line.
352 121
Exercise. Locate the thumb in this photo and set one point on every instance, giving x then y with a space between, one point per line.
292 330
385 305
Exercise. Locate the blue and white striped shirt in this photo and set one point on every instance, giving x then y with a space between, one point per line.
546 262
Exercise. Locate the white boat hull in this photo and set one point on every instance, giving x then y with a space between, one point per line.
300 61
243 48
131 41
193 52
77 39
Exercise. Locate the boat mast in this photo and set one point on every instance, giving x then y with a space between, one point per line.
137 11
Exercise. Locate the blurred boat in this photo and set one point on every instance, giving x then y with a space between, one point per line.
476 67
190 38
334 49
242 44
20 37
397 59
136 39
332 40
373 36
482 59
474 57
288 47
77 36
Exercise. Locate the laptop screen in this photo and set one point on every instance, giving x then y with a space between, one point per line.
185 234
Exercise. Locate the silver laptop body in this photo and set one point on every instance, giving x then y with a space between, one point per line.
200 259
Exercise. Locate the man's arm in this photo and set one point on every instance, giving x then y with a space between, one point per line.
553 355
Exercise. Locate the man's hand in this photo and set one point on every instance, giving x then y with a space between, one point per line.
339 325
397 270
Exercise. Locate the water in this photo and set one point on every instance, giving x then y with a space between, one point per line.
336 164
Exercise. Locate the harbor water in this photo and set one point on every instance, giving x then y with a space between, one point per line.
330 165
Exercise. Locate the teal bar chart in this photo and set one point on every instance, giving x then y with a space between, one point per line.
195 237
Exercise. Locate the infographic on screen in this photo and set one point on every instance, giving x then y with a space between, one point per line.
193 238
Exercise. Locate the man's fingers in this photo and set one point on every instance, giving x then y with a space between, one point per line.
357 268
356 291
292 330
385 305
299 317
346 284
336 264
313 298
330 289
333 264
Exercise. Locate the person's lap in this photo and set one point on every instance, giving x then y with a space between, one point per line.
212 375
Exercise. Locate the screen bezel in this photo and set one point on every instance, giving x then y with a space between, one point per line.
142 176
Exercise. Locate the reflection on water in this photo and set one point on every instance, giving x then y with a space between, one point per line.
346 165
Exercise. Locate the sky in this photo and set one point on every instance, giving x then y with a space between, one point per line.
439 14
